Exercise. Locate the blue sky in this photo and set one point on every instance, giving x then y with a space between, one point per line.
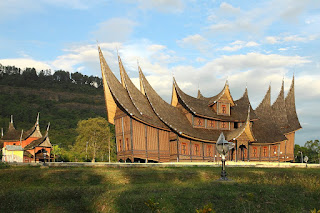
201 43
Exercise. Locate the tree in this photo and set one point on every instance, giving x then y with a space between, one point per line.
56 151
314 150
92 140
311 149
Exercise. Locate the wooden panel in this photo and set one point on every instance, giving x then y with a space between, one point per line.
139 141
212 124
198 122
223 125
152 139
290 146
163 140
126 124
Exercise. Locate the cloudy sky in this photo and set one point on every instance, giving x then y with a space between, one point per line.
201 43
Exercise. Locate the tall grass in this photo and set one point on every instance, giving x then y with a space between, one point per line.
28 189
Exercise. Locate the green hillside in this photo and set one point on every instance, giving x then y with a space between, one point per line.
62 99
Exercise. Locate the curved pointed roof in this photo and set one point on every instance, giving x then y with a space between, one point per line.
241 107
200 107
123 97
15 135
176 120
279 113
12 134
139 100
226 91
200 96
291 109
245 128
42 142
34 132
265 130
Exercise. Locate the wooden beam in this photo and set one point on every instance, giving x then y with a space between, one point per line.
131 137
177 148
190 150
158 145
146 136
202 151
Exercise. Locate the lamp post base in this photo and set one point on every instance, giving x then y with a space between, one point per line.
223 175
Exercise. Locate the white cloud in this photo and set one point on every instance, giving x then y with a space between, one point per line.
196 42
25 62
290 38
258 19
114 30
272 39
237 45
156 47
162 5
228 8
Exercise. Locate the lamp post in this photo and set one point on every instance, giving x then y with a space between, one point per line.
223 148
299 152
44 152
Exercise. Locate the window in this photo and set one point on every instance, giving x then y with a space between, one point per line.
197 149
211 124
255 151
265 151
128 145
224 109
209 150
274 148
120 145
199 122
184 148
224 125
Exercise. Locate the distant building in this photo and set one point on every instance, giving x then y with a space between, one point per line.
28 146
149 129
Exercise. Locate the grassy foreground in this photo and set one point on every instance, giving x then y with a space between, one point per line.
31 189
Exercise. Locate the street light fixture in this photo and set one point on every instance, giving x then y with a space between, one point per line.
223 148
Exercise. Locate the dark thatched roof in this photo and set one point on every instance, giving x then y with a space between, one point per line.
42 142
265 130
291 110
175 119
140 101
279 112
15 135
200 106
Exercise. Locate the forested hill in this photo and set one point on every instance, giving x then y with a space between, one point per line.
61 98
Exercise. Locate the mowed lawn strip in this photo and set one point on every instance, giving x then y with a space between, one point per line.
31 189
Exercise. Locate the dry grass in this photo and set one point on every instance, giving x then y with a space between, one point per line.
29 189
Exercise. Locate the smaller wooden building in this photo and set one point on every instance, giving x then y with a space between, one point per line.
28 146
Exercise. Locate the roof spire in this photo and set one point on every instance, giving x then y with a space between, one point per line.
38 118
21 138
1 132
48 127
11 119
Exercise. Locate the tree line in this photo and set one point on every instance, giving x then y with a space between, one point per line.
59 80
311 149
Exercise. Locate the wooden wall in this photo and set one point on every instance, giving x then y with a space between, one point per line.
136 140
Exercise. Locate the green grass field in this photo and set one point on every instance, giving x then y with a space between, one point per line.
31 189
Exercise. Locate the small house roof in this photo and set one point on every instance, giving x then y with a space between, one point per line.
14 148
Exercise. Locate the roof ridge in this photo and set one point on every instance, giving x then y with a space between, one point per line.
291 109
